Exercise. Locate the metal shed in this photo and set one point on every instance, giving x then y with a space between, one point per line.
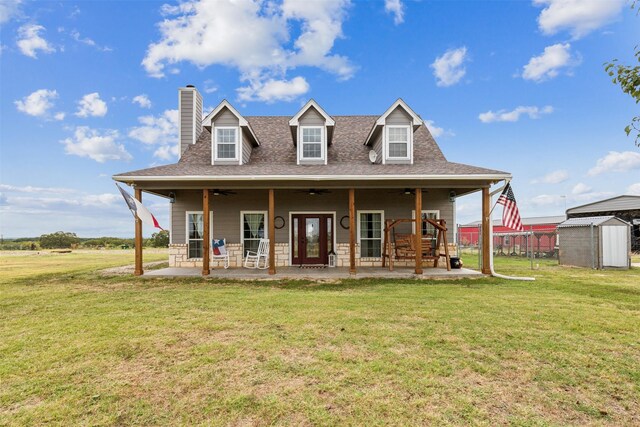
595 242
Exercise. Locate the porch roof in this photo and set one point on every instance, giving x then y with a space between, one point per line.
275 159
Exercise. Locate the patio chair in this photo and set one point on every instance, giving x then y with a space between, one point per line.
219 251
259 259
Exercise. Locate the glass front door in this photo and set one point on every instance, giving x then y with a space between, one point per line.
311 238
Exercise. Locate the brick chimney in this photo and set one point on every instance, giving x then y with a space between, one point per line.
190 112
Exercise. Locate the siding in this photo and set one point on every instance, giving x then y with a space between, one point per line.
186 119
398 117
377 147
198 115
246 149
311 118
226 209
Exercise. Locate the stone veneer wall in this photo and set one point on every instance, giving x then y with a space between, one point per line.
178 257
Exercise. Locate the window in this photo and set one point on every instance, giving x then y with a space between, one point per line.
195 233
370 233
312 143
253 229
398 142
226 143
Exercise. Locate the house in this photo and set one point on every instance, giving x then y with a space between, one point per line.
625 207
542 230
314 184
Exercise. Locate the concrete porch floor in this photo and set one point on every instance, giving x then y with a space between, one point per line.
316 273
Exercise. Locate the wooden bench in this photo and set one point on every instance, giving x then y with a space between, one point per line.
405 248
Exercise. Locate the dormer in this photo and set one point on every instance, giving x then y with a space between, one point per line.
392 135
312 133
232 138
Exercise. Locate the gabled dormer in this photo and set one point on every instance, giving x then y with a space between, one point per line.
232 138
312 133
392 135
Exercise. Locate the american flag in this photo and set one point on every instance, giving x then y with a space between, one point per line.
510 213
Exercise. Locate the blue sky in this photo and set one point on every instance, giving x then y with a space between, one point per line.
89 89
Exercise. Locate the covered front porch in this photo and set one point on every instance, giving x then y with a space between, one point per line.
339 207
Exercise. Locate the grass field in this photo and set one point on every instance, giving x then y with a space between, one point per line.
80 348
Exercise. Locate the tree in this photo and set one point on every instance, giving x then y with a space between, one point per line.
59 239
160 239
628 77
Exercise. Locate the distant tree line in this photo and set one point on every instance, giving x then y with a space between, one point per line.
68 240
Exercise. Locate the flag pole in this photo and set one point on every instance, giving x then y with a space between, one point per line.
491 268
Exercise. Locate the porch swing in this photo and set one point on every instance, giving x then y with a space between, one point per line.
404 244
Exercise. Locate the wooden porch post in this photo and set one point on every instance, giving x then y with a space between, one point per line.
272 232
352 231
206 239
486 202
418 235
138 238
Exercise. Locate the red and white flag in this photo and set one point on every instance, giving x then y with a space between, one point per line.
138 209
510 213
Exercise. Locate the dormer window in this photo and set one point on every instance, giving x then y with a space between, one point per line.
226 143
312 143
398 142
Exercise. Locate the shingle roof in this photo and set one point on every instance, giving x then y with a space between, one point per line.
587 221
276 154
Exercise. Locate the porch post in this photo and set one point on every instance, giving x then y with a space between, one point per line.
206 239
486 202
138 238
352 231
272 232
418 236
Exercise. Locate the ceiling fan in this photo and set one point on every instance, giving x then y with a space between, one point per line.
217 192
314 191
407 191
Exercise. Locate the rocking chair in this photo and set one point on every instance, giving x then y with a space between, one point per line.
259 259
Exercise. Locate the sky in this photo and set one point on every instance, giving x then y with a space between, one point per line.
89 89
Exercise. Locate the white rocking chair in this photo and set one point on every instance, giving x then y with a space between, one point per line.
259 259
222 249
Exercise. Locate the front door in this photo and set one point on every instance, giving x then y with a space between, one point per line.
311 238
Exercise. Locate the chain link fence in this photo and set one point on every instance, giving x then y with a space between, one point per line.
532 245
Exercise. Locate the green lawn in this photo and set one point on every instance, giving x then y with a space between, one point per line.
81 349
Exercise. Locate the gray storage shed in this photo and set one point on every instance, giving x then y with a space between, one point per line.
595 242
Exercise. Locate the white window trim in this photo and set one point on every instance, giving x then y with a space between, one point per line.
266 225
186 229
409 155
424 211
323 145
382 225
215 144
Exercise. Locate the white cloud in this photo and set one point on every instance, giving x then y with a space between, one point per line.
548 65
89 42
634 189
555 177
616 161
514 115
29 40
39 103
91 106
161 130
142 100
579 17
88 142
547 199
449 68
30 189
9 9
274 90
581 188
209 32
209 86
561 200
396 8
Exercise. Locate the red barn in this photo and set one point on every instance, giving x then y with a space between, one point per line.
540 235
